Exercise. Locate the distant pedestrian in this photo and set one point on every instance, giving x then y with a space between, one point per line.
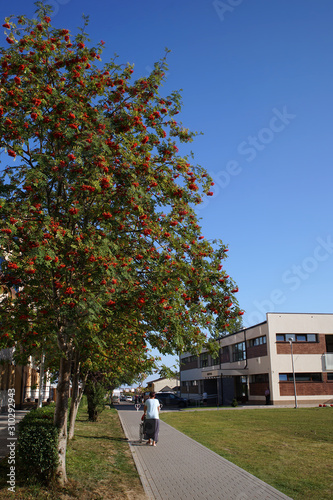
267 396
204 398
152 424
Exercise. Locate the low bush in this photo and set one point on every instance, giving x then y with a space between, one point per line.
95 392
38 445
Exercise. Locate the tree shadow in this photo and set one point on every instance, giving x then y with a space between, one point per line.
138 443
106 438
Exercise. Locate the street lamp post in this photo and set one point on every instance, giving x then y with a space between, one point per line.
292 363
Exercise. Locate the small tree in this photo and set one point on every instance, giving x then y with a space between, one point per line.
109 368
96 394
97 221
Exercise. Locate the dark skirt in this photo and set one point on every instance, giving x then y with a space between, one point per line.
152 427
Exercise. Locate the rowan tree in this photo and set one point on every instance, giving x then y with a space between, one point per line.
120 361
97 210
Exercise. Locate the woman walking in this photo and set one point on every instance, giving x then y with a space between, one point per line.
151 413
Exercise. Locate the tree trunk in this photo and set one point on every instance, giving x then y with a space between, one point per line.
73 411
60 416
76 395
91 401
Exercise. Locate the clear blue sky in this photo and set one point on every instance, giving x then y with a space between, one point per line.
257 80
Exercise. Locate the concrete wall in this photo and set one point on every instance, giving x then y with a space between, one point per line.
308 357
274 358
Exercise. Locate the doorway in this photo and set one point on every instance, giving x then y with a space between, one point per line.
241 388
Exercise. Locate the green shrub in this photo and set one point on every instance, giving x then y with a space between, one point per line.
38 445
234 402
95 392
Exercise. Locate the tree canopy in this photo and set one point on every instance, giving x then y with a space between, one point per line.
98 229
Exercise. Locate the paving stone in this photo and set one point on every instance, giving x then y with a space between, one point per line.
5 438
179 468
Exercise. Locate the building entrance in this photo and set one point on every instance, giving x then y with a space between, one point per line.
241 388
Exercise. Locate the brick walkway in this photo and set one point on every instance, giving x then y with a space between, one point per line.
179 468
4 436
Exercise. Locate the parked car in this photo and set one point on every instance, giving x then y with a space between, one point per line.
129 398
170 399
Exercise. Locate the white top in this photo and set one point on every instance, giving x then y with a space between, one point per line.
152 406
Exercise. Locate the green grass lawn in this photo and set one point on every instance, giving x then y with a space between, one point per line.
99 466
100 459
290 449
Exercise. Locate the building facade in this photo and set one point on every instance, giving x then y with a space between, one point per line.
163 385
25 380
267 356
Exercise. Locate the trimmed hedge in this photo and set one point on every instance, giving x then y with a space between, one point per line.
38 445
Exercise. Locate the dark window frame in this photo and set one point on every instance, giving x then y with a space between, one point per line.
239 352
299 377
310 338
215 361
262 340
204 360
259 378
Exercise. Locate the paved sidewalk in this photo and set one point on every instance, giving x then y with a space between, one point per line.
5 438
179 468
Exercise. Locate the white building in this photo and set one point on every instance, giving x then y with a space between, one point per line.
266 356
164 385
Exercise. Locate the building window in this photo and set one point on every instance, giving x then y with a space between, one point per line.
225 354
259 378
189 383
296 337
215 360
300 377
257 341
330 377
238 352
204 360
311 338
189 359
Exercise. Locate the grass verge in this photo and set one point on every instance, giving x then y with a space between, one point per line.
99 466
290 449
